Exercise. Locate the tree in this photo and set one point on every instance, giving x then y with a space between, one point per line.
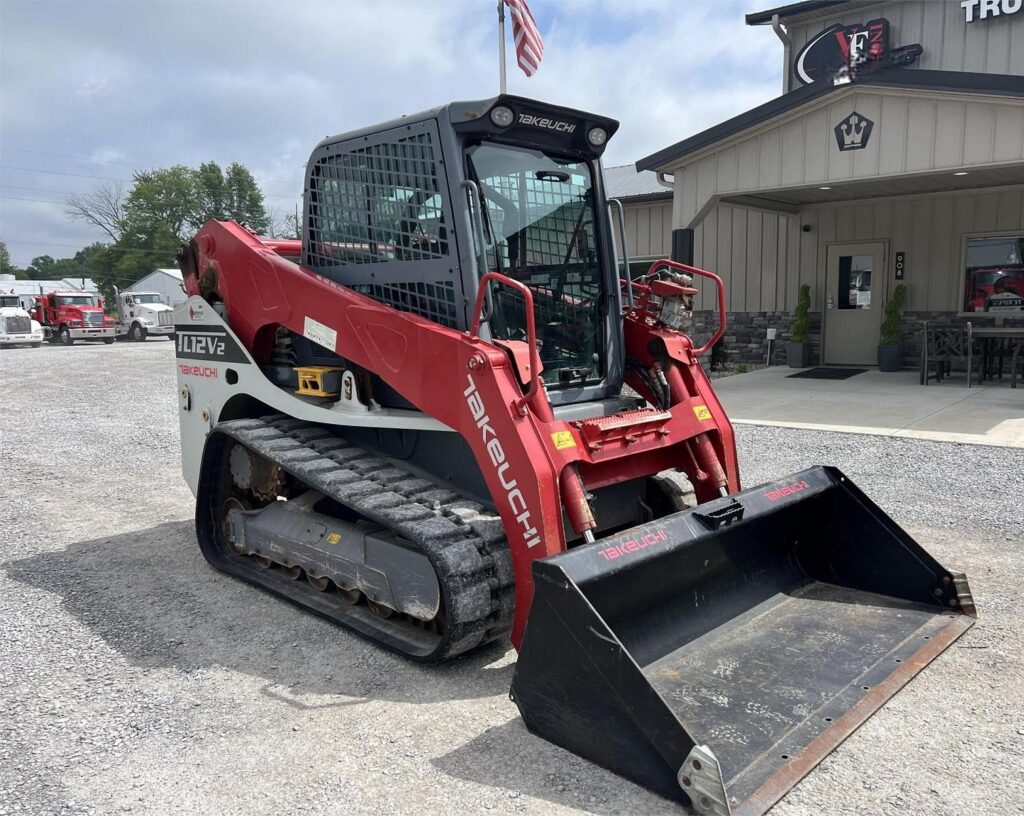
283 225
43 267
212 190
6 267
163 209
244 201
166 198
103 208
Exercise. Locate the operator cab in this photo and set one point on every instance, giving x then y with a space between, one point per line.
414 212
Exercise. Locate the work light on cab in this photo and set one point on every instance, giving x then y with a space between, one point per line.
502 116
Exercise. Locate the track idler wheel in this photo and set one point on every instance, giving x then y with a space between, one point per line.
350 596
380 610
321 584
232 503
250 471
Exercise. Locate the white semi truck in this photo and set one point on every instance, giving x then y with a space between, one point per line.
16 327
141 314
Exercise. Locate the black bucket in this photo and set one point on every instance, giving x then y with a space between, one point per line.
715 656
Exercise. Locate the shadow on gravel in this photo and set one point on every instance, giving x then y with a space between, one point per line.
151 596
511 758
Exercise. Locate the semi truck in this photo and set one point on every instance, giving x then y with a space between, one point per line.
70 316
141 314
16 327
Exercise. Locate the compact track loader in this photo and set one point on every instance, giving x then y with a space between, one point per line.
415 423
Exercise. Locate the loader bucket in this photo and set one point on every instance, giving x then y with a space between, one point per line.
715 656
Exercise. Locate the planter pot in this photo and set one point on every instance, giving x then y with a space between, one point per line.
889 358
798 355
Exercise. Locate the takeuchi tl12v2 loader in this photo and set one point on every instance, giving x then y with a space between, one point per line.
421 431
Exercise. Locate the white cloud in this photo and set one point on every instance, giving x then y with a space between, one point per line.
160 83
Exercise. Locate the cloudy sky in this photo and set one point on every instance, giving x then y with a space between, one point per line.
91 91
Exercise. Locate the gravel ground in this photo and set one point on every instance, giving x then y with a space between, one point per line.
133 678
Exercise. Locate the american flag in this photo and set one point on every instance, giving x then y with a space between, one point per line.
529 45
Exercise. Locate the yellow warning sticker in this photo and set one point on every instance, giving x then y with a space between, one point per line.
563 440
334 538
702 411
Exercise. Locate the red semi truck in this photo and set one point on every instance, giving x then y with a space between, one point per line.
70 316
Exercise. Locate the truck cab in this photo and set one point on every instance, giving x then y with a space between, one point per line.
70 316
16 327
140 314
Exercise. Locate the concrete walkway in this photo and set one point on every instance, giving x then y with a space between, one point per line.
888 404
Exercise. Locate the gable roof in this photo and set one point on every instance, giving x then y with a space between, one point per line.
626 182
909 79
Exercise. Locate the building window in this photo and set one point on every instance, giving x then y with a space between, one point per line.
994 275
640 266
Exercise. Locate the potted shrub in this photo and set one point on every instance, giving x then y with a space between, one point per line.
798 349
890 347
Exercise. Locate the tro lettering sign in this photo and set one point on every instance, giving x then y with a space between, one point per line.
976 10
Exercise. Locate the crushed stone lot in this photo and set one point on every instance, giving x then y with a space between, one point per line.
136 679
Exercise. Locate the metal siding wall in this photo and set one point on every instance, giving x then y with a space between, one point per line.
755 253
950 124
929 229
753 269
649 229
950 43
911 134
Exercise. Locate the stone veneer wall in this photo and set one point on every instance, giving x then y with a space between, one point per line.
745 339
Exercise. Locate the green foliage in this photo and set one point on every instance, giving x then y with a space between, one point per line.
801 330
742 368
892 333
6 267
163 208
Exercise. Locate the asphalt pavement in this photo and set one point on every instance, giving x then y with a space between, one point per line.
136 679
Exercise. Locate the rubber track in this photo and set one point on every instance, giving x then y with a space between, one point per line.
464 541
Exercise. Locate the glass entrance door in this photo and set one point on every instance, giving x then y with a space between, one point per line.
853 307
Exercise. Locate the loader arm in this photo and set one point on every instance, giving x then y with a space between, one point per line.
527 458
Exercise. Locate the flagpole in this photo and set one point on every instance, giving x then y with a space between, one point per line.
502 85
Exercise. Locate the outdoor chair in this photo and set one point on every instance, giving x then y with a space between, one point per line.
940 345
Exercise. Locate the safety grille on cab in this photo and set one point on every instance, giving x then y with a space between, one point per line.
434 301
376 204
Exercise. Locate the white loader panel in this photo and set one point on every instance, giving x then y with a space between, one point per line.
213 367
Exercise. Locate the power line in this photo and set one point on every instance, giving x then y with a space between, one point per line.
60 173
36 200
290 197
69 156
105 247
37 189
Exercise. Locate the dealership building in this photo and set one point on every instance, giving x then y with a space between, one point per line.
895 154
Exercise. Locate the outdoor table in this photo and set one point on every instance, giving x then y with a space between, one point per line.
987 334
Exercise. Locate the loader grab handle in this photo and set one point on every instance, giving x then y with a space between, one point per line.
703 273
531 328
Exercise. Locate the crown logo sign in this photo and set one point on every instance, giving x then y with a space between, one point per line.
853 132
